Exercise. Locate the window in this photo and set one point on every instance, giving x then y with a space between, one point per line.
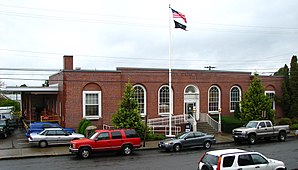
213 99
103 136
140 96
244 160
60 133
271 95
268 124
51 133
131 134
258 159
116 135
91 104
262 124
235 97
164 102
228 161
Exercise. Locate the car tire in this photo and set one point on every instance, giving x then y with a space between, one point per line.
84 152
282 136
207 167
43 144
207 145
252 139
126 149
177 147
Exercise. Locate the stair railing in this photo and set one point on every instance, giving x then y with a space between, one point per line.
205 117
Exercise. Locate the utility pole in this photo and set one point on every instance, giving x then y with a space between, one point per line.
209 67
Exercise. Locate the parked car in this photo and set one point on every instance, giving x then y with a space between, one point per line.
124 140
260 129
4 128
231 159
187 140
53 136
38 127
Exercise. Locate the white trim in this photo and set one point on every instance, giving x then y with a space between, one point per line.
197 100
273 102
170 101
240 95
145 99
99 105
219 99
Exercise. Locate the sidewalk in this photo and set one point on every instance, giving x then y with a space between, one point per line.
63 150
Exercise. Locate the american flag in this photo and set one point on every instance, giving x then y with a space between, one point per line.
177 14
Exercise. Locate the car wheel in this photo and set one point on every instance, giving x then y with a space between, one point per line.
84 152
43 144
207 145
237 141
177 147
282 136
252 139
207 167
126 149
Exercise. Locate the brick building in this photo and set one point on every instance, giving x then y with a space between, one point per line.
96 95
75 94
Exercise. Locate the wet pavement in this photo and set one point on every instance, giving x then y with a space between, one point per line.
17 146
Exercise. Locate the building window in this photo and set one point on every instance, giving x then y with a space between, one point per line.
91 104
235 97
271 95
213 99
140 96
164 102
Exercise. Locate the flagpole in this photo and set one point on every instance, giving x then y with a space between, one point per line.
170 76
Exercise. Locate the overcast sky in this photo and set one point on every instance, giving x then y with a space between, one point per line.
232 35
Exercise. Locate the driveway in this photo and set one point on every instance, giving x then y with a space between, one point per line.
15 140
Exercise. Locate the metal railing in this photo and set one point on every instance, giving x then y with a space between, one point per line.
205 117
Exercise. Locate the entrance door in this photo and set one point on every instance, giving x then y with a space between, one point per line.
190 109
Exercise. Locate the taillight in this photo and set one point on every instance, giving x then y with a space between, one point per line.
218 163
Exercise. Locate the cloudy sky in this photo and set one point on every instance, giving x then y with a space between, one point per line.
232 35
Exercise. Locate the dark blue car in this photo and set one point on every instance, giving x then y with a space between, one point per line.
38 127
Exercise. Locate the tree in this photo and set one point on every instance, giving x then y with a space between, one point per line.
8 102
293 82
255 104
128 114
285 100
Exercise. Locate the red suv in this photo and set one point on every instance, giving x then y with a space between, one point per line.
124 140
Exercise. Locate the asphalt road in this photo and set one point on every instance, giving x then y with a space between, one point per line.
152 159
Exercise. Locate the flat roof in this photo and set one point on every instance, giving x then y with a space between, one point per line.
52 89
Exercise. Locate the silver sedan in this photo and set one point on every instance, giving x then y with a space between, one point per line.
53 136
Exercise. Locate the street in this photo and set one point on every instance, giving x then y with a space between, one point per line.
153 159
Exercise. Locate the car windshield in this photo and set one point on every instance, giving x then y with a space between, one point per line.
181 135
210 159
92 135
251 124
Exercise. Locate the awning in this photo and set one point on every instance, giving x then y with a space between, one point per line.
52 89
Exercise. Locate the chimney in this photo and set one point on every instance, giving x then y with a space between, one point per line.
68 62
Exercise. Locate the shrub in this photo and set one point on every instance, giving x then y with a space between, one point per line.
84 123
284 121
229 123
155 136
294 126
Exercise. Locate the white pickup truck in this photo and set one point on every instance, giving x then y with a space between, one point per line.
260 129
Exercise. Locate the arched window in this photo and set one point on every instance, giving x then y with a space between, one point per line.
271 95
235 97
213 99
164 100
140 96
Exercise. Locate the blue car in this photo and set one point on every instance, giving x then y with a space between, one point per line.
38 127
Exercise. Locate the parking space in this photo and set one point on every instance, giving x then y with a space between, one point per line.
15 140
